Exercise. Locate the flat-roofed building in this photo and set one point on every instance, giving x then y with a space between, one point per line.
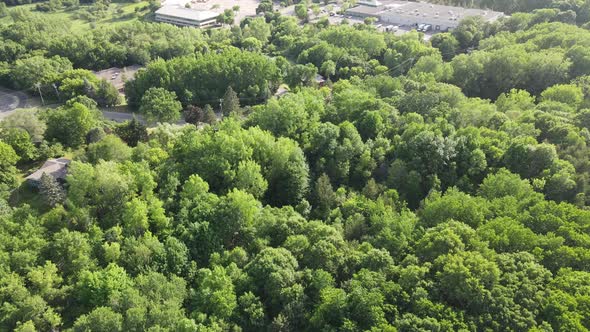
186 17
441 18
371 3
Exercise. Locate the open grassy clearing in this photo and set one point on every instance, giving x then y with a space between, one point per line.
117 13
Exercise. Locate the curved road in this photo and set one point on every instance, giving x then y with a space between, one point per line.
11 100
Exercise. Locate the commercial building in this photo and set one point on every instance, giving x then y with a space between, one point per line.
186 17
409 13
370 3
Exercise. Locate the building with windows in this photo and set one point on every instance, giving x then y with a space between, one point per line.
409 13
186 17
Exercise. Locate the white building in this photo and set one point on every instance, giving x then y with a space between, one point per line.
409 13
178 15
370 3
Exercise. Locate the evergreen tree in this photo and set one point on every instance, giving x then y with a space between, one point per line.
209 115
324 196
231 103
51 190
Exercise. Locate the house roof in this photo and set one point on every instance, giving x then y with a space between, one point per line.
187 13
54 167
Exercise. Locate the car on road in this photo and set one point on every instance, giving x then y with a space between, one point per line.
420 27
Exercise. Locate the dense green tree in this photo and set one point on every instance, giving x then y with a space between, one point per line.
106 94
160 105
8 162
434 185
69 124
132 132
101 319
567 94
446 43
20 140
109 148
215 293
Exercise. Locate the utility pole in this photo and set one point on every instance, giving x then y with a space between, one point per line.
56 91
38 86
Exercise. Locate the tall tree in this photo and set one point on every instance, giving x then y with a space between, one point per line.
106 94
51 190
209 115
324 196
8 159
193 114
231 102
161 105
132 132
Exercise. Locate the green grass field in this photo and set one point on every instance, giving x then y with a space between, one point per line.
117 13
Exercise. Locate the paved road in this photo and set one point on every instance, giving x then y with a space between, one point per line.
11 100
121 117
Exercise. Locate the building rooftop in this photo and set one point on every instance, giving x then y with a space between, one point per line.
187 13
57 168
424 9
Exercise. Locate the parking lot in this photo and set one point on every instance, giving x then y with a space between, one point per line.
118 76
336 19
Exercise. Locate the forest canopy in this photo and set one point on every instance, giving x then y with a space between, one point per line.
415 185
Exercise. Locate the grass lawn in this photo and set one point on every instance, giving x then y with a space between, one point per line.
116 14
25 194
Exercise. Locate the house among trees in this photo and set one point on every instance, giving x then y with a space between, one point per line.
320 80
56 168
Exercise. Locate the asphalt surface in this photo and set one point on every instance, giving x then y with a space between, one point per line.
11 100
121 117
